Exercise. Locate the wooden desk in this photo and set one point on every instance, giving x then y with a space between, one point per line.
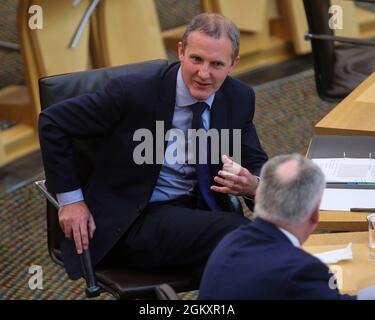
355 115
357 273
343 221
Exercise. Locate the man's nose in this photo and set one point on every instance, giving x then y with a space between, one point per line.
204 72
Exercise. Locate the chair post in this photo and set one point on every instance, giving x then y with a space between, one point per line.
92 289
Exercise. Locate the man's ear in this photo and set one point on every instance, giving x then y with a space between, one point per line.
314 218
255 196
235 62
180 50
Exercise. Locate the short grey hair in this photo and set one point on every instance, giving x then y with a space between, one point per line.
214 25
290 200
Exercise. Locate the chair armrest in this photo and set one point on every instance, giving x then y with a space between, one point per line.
41 186
92 290
235 204
310 36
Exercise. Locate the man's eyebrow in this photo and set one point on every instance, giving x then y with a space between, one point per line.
195 55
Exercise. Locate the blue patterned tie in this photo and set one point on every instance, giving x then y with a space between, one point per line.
203 170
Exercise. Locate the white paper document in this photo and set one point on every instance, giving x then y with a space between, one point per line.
335 256
345 199
347 169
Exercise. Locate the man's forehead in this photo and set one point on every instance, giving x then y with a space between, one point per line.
197 35
217 49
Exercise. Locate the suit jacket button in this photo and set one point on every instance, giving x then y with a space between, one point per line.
140 208
118 230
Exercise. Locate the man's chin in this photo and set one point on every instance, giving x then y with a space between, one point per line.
201 95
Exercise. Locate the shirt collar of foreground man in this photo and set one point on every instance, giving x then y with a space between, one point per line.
292 238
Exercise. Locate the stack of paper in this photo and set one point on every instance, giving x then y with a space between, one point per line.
347 169
350 183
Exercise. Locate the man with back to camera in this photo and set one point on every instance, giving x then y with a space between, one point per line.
154 215
263 260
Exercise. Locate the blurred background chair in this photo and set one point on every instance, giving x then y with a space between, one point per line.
14 99
124 32
338 68
47 51
44 52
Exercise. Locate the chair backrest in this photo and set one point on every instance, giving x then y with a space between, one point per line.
323 51
61 87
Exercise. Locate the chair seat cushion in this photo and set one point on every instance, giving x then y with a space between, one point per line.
133 283
130 283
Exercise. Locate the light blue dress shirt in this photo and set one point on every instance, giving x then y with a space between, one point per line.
292 238
175 180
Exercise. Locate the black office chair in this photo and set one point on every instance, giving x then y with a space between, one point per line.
338 69
122 282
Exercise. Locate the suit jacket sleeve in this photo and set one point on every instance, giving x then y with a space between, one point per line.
87 116
253 155
313 280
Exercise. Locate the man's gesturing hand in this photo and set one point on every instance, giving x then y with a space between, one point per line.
236 180
76 219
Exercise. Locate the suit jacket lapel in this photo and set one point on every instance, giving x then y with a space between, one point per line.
167 98
219 120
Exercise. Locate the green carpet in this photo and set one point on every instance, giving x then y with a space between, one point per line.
287 109
286 112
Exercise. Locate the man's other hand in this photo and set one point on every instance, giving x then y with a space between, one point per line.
235 179
76 220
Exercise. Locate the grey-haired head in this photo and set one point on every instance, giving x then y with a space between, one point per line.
290 189
214 25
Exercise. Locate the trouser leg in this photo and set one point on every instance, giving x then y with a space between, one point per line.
171 236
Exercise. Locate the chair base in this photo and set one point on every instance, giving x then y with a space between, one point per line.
132 284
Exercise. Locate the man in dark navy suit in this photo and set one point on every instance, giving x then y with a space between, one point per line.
263 260
155 214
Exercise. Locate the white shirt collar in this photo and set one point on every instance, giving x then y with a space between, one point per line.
183 96
293 239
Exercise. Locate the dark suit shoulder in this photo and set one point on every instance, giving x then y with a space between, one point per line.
149 81
298 254
239 96
149 71
312 279
136 78
248 258
236 87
